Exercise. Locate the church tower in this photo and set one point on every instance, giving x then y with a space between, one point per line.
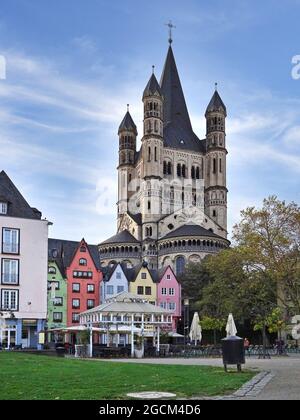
215 172
126 170
152 172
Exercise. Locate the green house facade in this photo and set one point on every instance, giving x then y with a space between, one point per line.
57 297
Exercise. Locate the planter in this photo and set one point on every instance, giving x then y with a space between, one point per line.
139 353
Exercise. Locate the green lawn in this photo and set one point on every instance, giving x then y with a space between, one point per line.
26 376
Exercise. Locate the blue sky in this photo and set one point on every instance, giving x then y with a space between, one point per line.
72 66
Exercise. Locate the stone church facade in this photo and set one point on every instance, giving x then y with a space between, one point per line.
172 194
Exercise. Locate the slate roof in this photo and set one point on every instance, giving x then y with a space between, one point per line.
216 104
191 229
136 217
127 124
152 87
121 237
65 251
17 205
178 131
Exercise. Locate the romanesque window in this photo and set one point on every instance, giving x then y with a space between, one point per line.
180 265
214 165
183 171
169 168
155 154
149 154
193 172
165 168
198 172
220 165
178 169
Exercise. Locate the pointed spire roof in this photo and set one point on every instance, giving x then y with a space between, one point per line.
216 104
175 109
127 124
152 88
178 132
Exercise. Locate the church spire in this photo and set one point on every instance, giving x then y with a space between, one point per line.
175 109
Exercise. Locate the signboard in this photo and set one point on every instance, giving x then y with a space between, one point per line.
41 338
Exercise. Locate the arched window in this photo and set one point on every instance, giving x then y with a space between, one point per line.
165 167
214 165
220 165
198 173
183 171
155 154
193 172
178 169
149 205
155 126
129 177
149 154
82 261
169 168
180 265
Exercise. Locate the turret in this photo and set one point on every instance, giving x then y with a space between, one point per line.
127 148
152 150
127 140
215 173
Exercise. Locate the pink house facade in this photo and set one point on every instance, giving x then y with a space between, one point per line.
169 294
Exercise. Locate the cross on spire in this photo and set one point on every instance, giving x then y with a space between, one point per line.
170 26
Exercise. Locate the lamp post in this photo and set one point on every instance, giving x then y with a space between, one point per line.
186 303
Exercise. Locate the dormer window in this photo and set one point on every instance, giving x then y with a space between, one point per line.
3 208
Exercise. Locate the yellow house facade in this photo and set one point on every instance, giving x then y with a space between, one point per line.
144 285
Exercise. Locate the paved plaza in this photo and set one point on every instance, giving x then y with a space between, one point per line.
281 383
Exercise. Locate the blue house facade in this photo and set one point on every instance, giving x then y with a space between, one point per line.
115 280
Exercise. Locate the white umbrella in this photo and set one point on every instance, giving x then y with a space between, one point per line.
230 326
196 330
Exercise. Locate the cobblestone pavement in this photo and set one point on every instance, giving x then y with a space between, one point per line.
279 377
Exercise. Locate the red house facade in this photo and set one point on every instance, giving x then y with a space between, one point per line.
83 281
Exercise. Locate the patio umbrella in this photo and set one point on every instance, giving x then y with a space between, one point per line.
196 330
230 326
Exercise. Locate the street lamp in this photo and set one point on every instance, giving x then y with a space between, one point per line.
186 304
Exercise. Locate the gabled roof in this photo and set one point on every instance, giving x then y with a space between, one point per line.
178 132
62 252
127 124
191 229
108 271
152 88
17 205
216 104
131 273
123 237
